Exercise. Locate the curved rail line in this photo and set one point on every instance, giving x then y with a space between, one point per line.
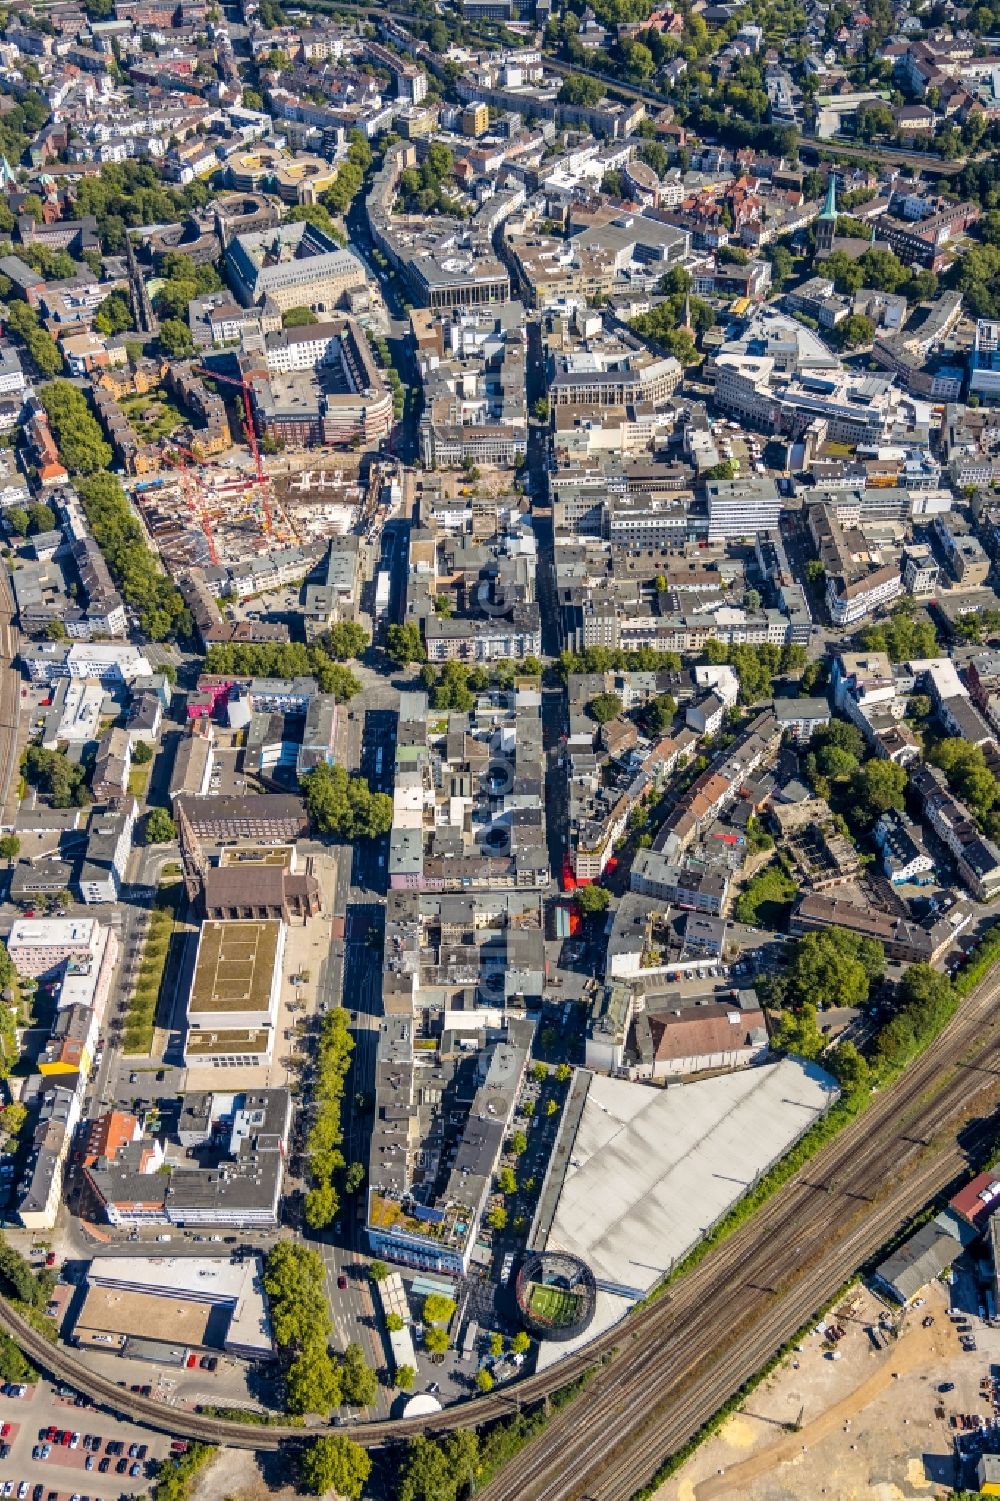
708 1336
667 1368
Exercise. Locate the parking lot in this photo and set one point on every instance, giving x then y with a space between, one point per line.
55 1450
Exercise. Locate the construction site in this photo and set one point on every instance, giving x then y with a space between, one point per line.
227 512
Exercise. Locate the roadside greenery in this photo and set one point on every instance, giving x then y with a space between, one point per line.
454 686
140 1019
24 323
447 1469
295 1282
404 644
333 1057
162 612
176 1476
288 659
335 1463
345 805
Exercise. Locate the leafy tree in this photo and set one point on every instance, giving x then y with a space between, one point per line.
63 780
436 1340
10 848
604 706
359 1382
453 686
142 753
507 1180
160 827
497 1218
428 1472
16 518
856 331
592 899
354 1177
298 317
114 316
312 1382
41 518
345 640
295 1282
175 339
551 1107
577 88
394 1322
404 644
23 322
405 1377
521 1343
564 1072
518 1143
905 637
496 1345
968 776
378 1271
335 1463
438 1309
484 1381
344 805
76 431
832 968
321 1206
875 787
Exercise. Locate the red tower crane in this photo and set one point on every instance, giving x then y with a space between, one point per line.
196 495
244 387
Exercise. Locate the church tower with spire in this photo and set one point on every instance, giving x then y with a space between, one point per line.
826 224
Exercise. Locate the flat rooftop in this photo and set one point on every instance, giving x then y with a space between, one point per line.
652 1169
235 966
236 1040
110 1315
192 1290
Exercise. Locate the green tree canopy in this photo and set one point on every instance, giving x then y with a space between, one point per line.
604 706
358 1381
335 1463
832 968
160 827
404 644
345 805
592 899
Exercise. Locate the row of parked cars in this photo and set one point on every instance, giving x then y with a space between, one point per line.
126 1462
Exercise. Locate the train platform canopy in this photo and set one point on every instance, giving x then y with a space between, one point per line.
651 1170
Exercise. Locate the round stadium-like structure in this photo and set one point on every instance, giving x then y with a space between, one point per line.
556 1295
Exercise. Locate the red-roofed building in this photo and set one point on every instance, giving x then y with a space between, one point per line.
977 1200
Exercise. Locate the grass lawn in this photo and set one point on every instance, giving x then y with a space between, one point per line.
153 415
767 898
140 1019
555 1305
138 779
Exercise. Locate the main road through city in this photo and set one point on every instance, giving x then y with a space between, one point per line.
657 1377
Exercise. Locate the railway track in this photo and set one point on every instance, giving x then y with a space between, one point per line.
708 1336
664 1371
